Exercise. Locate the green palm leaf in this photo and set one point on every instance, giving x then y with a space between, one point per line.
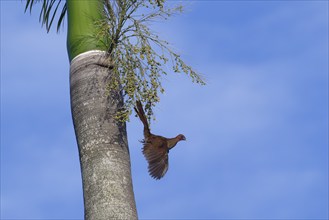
48 11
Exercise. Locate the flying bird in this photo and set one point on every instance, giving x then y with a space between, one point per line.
156 148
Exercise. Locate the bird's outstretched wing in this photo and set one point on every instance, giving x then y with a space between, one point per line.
156 154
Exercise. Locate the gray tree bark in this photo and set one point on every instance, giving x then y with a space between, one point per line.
102 141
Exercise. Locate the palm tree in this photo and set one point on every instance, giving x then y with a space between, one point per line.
112 64
102 140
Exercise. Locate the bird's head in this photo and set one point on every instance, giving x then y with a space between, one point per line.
181 137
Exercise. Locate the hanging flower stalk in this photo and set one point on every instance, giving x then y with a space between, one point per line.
139 57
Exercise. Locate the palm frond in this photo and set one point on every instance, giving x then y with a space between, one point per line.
48 11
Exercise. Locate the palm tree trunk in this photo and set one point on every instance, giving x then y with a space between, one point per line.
102 140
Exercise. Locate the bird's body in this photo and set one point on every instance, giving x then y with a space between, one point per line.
156 148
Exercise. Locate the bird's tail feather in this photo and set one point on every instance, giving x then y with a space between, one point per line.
141 114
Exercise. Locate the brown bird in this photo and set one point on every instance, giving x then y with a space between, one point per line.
156 148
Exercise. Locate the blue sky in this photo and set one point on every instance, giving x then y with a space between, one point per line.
257 134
